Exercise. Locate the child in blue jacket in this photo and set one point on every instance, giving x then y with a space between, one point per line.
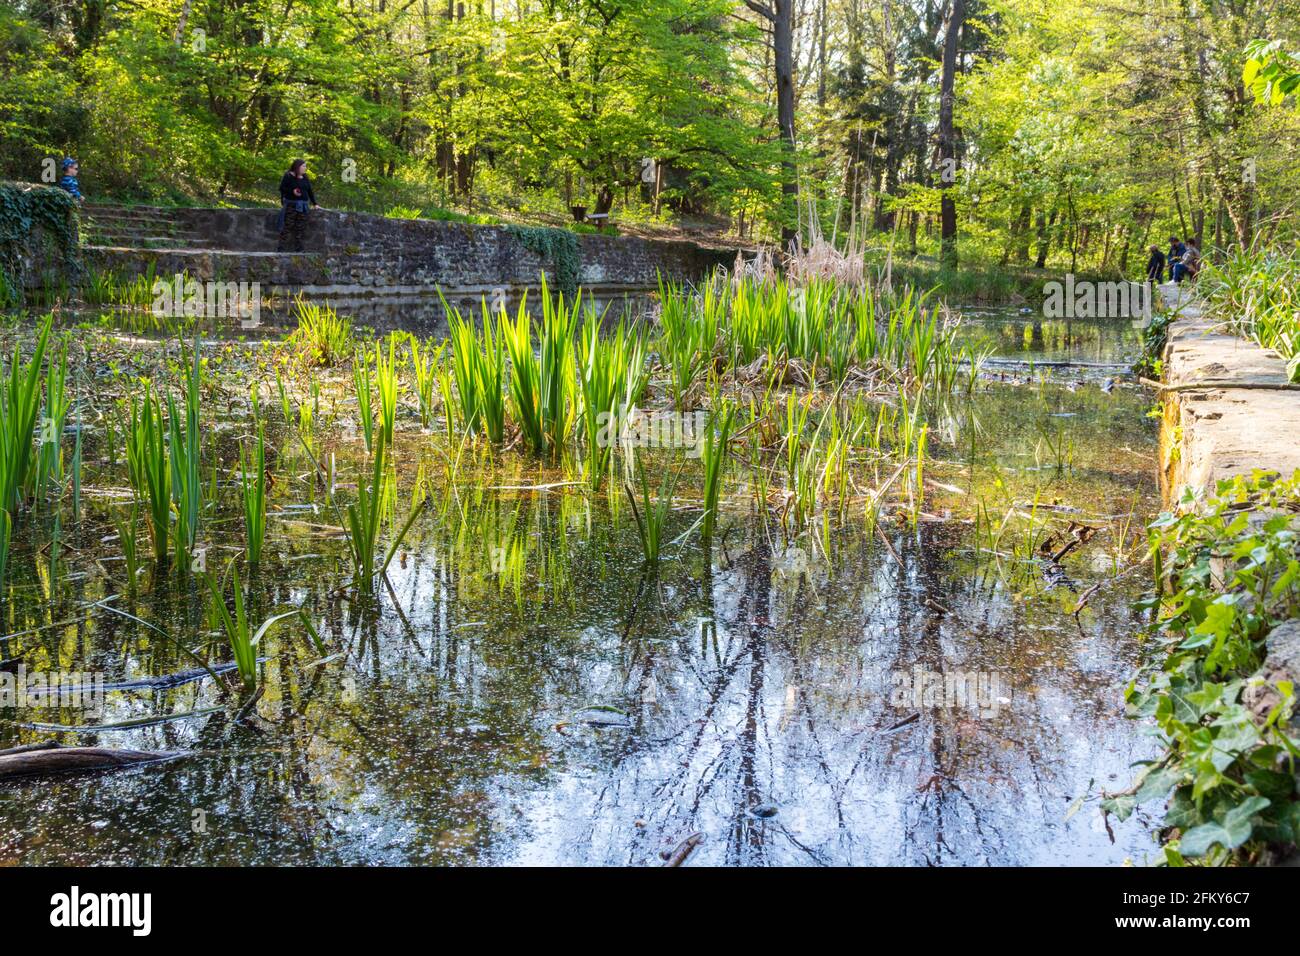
69 181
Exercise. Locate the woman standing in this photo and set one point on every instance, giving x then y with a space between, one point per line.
296 197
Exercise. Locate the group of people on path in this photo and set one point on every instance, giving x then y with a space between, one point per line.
1183 260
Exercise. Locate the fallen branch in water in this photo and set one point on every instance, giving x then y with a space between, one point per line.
42 759
684 849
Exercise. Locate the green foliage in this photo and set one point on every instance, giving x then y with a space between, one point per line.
610 376
560 248
402 212
26 212
1228 572
6 535
321 338
149 469
364 523
688 334
652 513
542 381
361 382
1257 292
425 362
713 454
1271 71
19 407
184 452
243 640
386 383
478 365
254 496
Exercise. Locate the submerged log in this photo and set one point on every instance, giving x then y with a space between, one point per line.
51 759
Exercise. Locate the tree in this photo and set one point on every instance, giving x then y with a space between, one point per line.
947 135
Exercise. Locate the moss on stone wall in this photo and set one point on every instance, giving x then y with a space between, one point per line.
560 246
37 224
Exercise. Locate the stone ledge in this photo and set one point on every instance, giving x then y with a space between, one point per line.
1238 424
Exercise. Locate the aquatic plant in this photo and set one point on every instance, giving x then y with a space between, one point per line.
49 456
652 514
321 338
386 382
128 538
6 535
713 454
243 640
184 452
19 407
478 368
542 382
425 362
361 380
684 344
363 525
1054 447
610 370
149 469
254 496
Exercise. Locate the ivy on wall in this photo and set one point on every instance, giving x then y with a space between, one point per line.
560 246
30 215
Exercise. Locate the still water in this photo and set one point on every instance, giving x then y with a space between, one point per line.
523 693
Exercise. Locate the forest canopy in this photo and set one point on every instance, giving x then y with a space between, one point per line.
1031 132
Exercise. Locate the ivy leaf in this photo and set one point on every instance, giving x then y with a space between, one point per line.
1237 825
1197 840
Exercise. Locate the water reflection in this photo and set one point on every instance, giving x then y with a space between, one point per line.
526 694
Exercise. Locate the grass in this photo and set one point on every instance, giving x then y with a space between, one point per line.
19 407
150 470
478 368
713 454
652 514
254 497
542 381
1258 292
321 338
386 382
363 524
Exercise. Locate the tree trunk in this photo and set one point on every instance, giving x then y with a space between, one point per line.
783 56
947 136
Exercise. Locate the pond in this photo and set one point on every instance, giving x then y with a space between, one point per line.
932 691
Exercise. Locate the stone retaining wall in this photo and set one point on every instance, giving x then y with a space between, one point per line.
1226 408
352 254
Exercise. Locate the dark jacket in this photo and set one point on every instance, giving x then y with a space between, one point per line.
289 183
1156 265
